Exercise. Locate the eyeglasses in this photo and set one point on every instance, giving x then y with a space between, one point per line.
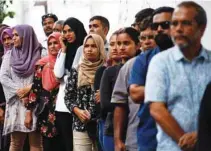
149 37
164 25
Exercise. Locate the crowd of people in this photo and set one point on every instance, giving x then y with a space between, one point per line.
146 88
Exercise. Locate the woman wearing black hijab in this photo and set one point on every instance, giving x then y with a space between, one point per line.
73 36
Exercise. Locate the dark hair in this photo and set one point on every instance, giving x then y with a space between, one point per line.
201 16
134 34
59 22
102 19
163 9
143 14
55 18
204 122
146 23
114 33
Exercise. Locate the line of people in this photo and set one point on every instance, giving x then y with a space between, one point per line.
78 91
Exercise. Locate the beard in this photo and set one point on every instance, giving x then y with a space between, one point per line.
163 41
47 33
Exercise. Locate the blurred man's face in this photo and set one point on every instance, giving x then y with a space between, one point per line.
161 23
147 39
48 26
57 28
96 27
185 31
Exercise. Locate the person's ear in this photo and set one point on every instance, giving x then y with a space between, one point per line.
105 31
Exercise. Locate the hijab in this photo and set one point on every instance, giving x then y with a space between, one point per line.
2 27
49 80
80 34
23 59
87 69
7 31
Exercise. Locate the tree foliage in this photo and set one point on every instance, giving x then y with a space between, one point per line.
4 4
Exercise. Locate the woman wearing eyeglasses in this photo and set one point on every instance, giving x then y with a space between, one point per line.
73 36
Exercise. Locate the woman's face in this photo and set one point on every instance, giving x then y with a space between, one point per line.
91 51
17 40
7 41
113 52
53 46
126 46
69 34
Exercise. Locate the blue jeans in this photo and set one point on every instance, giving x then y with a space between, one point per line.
100 133
108 143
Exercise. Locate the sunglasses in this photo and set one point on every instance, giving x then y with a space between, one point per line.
164 25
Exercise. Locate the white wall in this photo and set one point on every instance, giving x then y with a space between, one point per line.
119 12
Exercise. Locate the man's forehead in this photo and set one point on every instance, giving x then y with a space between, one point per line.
95 21
184 12
146 31
48 19
161 17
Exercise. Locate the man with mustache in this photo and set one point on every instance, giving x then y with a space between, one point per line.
177 79
48 21
147 131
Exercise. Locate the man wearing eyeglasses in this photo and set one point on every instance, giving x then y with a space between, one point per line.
177 78
140 16
147 130
48 21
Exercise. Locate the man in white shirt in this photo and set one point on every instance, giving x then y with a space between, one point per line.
48 21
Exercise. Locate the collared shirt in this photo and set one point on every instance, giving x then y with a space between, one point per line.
44 48
180 84
120 96
147 130
79 53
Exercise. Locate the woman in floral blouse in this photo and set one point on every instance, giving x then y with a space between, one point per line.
79 92
43 94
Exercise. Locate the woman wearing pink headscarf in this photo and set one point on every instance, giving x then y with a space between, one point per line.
43 94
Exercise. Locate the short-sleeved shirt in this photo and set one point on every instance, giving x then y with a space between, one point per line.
180 84
147 128
120 96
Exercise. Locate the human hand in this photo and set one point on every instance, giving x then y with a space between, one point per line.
188 141
22 92
83 115
28 120
61 40
25 101
97 97
120 146
1 115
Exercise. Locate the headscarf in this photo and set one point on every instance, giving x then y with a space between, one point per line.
23 59
7 31
2 27
48 78
87 69
80 34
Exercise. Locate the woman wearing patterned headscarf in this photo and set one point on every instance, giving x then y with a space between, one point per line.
79 93
16 76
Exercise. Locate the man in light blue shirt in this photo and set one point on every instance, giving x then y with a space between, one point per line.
177 79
